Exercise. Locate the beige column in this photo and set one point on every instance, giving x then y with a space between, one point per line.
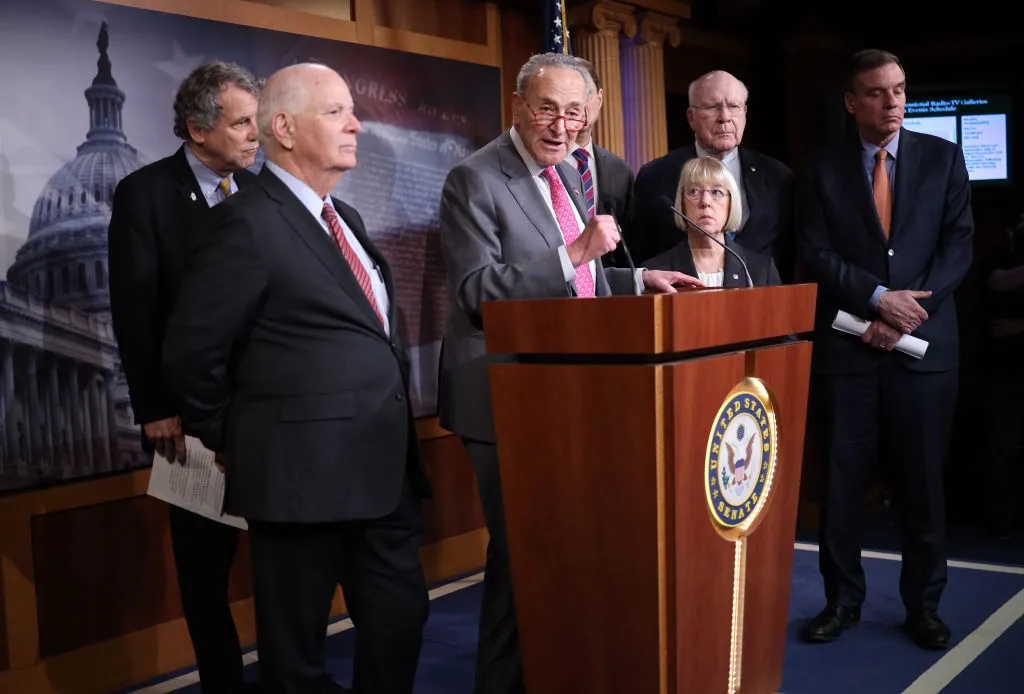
99 443
596 28
108 394
643 88
79 422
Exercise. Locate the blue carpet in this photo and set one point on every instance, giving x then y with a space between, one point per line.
874 657
991 672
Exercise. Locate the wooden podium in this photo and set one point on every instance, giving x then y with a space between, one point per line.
624 582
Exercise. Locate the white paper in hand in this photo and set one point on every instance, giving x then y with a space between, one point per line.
197 485
848 323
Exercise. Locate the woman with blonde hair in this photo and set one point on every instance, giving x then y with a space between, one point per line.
708 194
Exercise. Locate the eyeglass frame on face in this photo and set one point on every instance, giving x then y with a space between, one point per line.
695 193
564 117
724 108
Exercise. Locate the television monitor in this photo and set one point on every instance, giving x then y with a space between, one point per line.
976 119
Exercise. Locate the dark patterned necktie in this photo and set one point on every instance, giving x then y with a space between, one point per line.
583 164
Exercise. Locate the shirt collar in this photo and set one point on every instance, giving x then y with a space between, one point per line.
306 195
892 147
534 168
207 178
589 149
727 159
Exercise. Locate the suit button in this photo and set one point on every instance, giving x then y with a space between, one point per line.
399 396
891 253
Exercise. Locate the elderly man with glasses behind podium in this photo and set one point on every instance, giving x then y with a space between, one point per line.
709 196
512 228
718 117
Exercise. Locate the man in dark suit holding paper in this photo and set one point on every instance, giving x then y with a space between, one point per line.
885 227
158 211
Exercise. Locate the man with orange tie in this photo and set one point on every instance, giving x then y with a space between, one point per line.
885 226
158 211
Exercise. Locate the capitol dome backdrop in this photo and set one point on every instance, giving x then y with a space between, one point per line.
87 98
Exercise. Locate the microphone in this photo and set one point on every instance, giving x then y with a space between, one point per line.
622 237
750 282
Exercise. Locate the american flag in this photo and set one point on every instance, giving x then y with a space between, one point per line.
556 34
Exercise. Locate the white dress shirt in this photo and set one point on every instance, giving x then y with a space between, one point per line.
315 204
208 179
732 162
571 159
535 169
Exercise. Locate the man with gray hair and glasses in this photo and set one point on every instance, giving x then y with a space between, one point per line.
514 224
157 212
718 117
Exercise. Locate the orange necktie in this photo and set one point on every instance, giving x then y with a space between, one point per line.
883 194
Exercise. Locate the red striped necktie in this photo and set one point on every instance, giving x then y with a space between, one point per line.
362 276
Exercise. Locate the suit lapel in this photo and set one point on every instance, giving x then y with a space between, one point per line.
319 242
906 172
861 197
734 276
682 258
526 193
753 187
574 186
188 186
359 231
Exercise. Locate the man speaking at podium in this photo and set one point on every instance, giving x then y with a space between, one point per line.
511 225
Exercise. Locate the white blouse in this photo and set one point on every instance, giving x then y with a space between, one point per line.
712 279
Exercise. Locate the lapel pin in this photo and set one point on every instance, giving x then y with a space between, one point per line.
575 191
193 197
752 169
735 276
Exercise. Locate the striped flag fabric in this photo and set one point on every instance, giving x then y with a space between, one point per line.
556 33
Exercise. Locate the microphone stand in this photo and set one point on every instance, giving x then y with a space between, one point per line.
698 227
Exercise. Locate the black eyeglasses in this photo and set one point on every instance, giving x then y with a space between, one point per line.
573 123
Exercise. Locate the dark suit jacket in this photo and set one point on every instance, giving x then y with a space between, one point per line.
614 195
761 266
767 183
281 363
845 251
158 210
499 241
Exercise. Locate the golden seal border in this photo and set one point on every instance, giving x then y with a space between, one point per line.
758 389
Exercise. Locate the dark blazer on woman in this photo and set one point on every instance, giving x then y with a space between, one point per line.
761 265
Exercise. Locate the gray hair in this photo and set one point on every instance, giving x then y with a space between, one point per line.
708 171
692 89
196 99
542 60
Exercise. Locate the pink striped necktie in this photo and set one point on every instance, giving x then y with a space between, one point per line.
570 228
362 276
